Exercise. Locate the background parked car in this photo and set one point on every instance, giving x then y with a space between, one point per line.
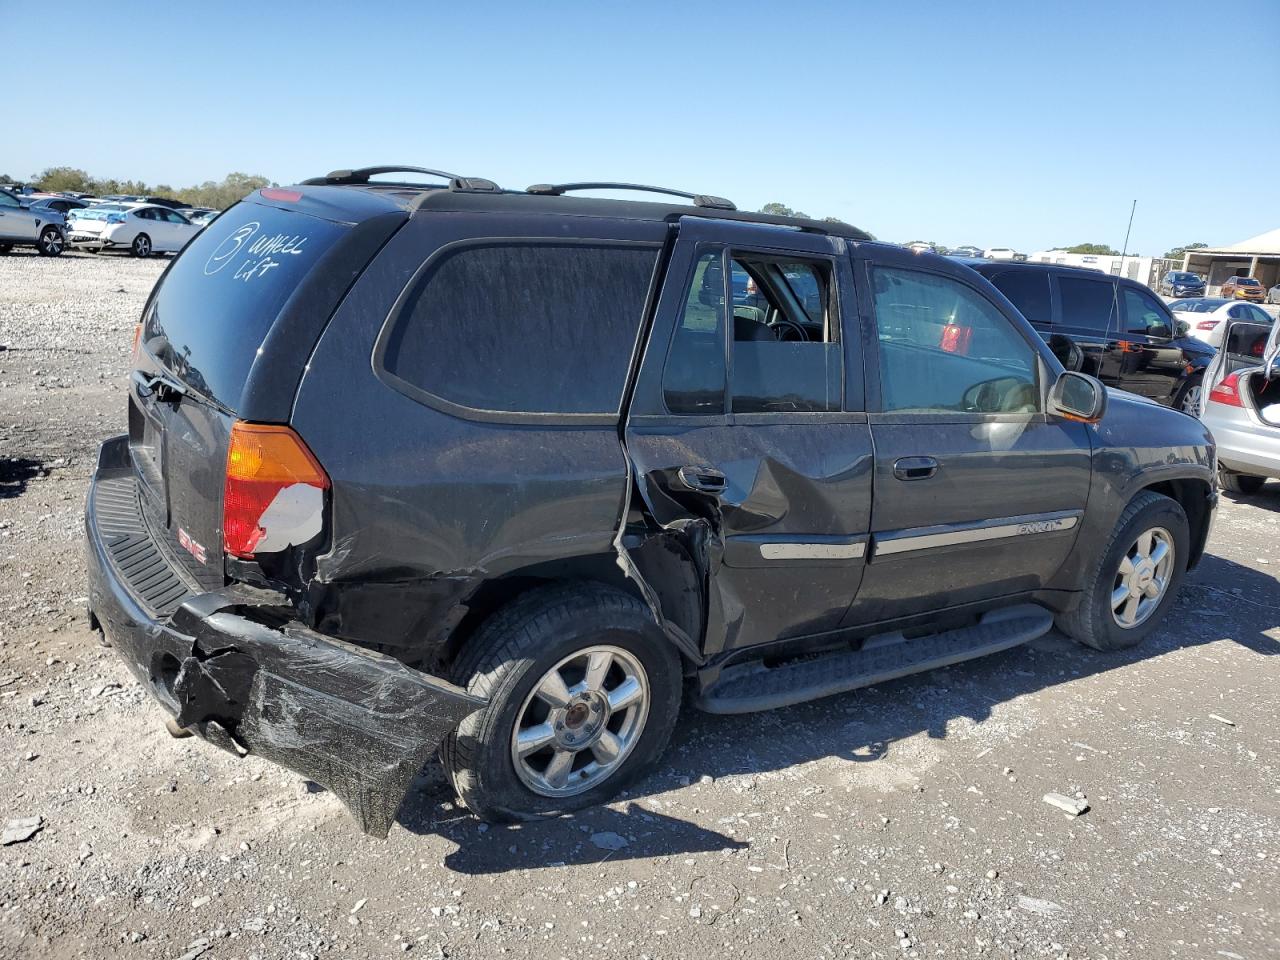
1005 253
1112 328
200 216
1242 407
967 251
1243 288
21 226
1273 295
1207 317
142 229
166 202
1181 283
57 202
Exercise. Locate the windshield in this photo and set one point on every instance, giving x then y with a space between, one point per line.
1247 281
1183 277
1196 306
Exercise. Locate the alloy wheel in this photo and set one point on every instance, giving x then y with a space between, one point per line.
1191 400
51 242
1142 578
580 722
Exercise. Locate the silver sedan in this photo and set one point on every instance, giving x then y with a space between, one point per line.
1242 408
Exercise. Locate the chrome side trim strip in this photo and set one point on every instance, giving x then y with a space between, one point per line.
906 541
812 551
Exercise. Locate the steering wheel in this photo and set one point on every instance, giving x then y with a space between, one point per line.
788 331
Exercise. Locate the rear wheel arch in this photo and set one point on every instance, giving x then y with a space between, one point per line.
497 593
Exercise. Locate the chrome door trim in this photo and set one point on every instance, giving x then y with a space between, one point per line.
946 535
801 550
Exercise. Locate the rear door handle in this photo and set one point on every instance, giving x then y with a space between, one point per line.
915 468
703 479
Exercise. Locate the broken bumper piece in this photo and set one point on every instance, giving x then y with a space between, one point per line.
228 666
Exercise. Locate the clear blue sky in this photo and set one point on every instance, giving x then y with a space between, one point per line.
1020 124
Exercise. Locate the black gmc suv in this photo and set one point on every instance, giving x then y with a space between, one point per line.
1109 327
508 472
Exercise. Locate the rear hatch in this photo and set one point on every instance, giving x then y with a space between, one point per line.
225 336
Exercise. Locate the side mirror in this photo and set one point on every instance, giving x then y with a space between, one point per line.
1160 330
1078 396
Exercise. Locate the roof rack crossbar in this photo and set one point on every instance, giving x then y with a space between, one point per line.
699 199
362 175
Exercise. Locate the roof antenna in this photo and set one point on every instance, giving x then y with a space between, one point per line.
1125 250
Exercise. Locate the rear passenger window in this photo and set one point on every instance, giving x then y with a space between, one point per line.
783 338
786 354
1087 304
524 327
1028 290
693 379
946 349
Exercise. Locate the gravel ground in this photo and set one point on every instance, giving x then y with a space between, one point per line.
905 820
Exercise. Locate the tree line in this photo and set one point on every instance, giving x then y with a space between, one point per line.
216 195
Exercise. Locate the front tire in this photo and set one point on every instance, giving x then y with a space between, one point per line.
141 246
1240 482
6 248
1137 578
584 691
51 242
1188 397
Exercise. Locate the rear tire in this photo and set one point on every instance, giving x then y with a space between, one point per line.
1240 482
1111 592
51 242
141 246
491 758
6 248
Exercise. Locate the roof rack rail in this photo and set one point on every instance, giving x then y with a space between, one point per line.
699 199
361 175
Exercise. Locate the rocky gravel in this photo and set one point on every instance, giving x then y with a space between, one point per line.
909 820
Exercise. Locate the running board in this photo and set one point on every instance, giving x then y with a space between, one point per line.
753 686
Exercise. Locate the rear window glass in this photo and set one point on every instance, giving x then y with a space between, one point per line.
1087 304
219 299
1028 290
524 327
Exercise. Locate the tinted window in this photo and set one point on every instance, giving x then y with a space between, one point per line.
219 299
1028 290
786 357
1144 316
6 200
693 380
1087 304
945 348
525 327
1258 315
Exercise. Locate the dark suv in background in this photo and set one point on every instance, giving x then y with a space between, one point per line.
1180 283
1109 327
512 473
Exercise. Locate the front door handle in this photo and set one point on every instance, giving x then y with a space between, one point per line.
915 468
703 479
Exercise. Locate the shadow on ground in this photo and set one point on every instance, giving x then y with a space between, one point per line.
16 473
1220 600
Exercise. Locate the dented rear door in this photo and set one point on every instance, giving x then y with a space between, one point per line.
752 454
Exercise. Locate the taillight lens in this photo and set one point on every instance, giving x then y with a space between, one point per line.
1206 324
264 461
956 339
1227 392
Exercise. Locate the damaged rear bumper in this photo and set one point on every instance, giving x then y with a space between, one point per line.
231 666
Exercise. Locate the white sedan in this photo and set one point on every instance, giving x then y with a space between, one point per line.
1207 317
140 228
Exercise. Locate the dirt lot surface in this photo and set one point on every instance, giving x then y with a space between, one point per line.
905 820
